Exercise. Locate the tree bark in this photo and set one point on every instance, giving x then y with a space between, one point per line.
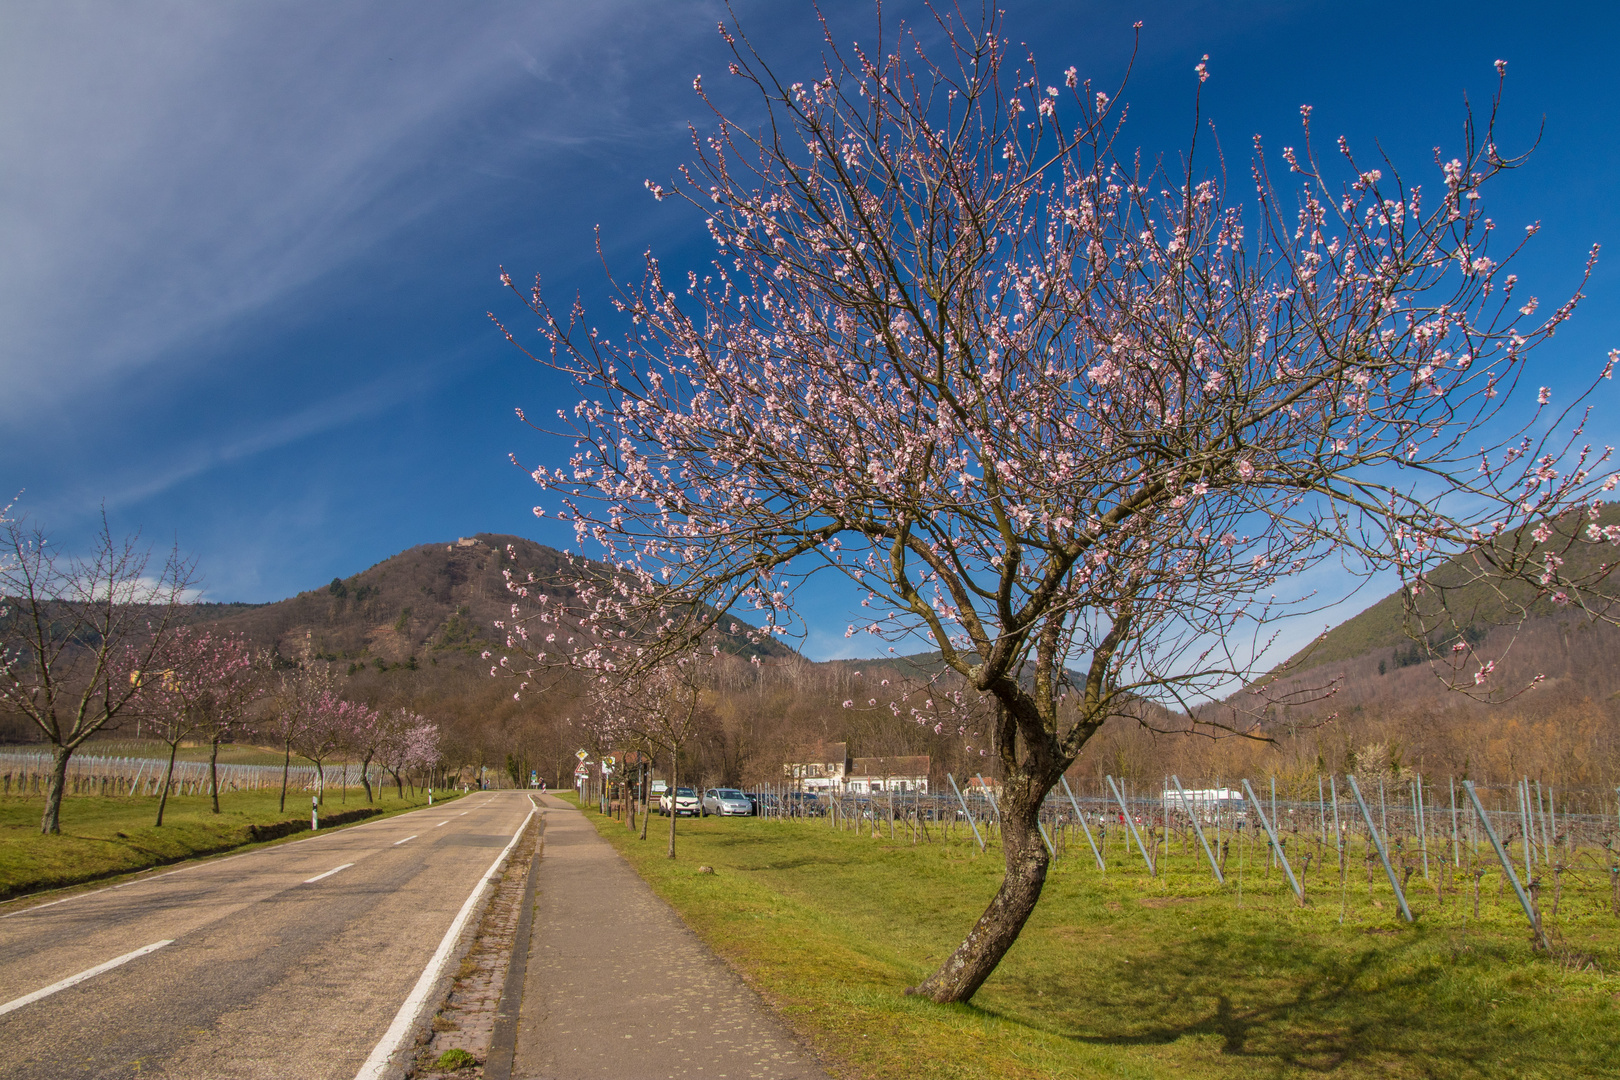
674 801
213 772
286 763
51 823
168 774
965 971
365 777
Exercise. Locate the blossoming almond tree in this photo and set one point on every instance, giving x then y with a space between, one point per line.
206 683
1082 420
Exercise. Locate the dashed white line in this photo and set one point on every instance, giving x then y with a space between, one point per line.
399 842
74 980
329 873
446 821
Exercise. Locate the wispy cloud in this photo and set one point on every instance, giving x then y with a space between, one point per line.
171 167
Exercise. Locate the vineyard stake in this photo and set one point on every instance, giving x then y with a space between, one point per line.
1378 842
1507 865
1131 825
1199 829
1276 847
1081 818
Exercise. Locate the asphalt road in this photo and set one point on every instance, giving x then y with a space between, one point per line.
286 962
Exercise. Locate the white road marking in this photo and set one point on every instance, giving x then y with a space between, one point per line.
376 1065
399 842
463 813
329 873
446 821
75 980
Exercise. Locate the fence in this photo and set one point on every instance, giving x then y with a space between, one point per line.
1405 834
28 773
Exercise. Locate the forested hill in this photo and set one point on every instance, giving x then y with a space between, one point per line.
1376 663
426 601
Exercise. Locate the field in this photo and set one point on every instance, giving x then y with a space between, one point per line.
1119 974
105 837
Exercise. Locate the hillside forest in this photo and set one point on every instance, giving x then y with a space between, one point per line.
413 630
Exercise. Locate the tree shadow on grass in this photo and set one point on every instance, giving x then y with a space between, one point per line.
1414 1005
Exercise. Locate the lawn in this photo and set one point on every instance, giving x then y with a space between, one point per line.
105 837
1123 975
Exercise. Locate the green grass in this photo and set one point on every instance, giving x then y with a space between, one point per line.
106 837
1123 976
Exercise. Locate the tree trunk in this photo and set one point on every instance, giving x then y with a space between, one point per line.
320 785
966 969
213 772
168 773
365 776
51 823
645 790
674 802
286 763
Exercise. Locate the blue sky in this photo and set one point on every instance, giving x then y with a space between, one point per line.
249 249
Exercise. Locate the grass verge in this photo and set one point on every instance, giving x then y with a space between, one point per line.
1120 975
103 838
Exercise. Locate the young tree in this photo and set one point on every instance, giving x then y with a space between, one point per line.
1076 417
297 708
74 630
325 732
656 708
368 728
202 686
411 743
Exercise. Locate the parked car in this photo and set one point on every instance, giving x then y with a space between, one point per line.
686 802
803 804
726 802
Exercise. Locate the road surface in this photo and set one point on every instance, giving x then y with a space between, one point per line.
287 962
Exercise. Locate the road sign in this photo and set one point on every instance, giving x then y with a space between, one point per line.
582 754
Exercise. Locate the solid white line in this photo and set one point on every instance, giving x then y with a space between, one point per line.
399 842
377 1064
329 873
81 976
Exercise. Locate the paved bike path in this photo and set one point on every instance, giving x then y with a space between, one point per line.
618 986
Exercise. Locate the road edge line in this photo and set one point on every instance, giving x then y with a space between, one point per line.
75 980
394 1038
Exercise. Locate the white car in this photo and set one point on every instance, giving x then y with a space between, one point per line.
726 802
686 803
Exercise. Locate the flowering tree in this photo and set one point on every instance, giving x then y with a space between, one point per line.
204 689
410 742
1075 418
201 685
73 632
297 710
368 729
653 707
327 730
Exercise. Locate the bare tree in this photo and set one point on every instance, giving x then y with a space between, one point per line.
1057 407
76 630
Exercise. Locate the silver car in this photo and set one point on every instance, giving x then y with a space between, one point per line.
726 802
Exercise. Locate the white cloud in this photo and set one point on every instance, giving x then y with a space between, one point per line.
170 167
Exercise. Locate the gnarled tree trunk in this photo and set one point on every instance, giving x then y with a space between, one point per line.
1026 857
